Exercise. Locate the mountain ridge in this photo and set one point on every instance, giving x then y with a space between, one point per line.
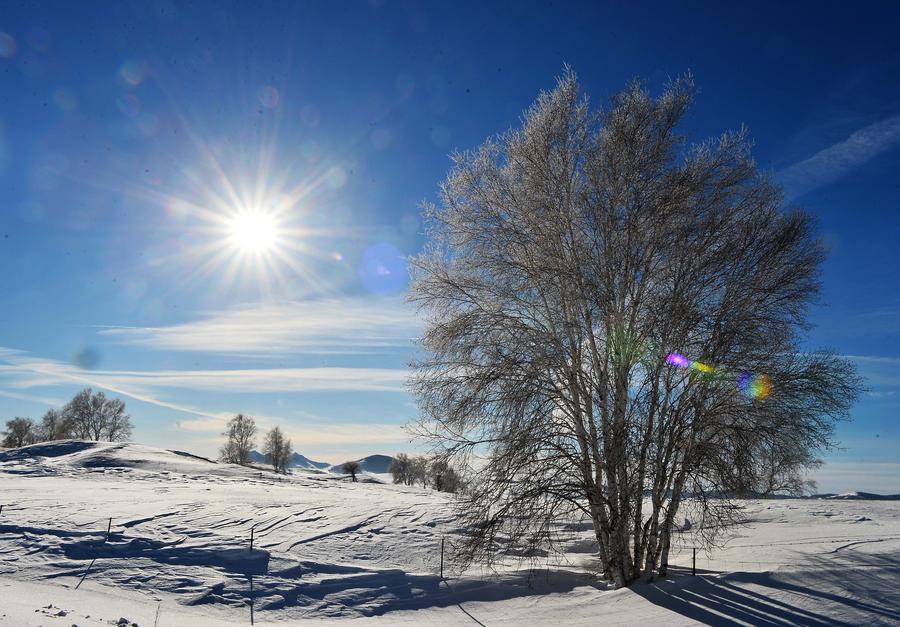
298 460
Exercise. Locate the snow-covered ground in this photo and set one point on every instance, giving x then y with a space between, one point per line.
178 553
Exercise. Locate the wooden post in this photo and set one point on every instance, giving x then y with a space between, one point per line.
694 567
442 557
251 536
108 527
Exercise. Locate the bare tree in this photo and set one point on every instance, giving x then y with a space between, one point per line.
79 413
418 470
116 422
19 432
241 437
351 468
54 426
278 450
93 416
611 313
443 476
399 469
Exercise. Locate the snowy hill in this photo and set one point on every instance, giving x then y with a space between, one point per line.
54 457
297 461
324 548
375 464
860 496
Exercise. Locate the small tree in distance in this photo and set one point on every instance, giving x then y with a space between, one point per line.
351 468
54 426
93 416
443 476
418 471
399 469
241 437
19 432
278 450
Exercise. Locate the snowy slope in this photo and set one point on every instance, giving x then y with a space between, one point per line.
325 548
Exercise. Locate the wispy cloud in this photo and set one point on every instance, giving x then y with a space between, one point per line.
41 400
28 373
350 325
21 372
829 164
317 434
879 371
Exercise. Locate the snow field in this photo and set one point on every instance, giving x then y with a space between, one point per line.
178 553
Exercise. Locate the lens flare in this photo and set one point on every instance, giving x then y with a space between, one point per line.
759 387
701 367
678 360
755 386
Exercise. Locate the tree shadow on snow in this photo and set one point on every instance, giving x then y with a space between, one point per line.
857 589
379 592
233 560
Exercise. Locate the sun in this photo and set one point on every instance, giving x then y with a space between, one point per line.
254 231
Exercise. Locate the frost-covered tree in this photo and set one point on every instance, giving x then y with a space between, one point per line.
613 325
277 450
19 432
443 476
351 468
54 426
93 416
418 470
399 469
116 422
240 434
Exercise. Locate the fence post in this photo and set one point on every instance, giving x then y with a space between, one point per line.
442 557
694 566
251 536
108 528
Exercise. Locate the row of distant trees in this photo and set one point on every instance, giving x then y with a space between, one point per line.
240 440
88 416
240 434
412 470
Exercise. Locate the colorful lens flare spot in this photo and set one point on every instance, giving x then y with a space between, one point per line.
701 367
755 386
759 387
133 72
678 360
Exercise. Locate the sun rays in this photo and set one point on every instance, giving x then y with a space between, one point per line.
247 225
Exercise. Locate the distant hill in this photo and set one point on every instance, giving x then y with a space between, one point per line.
376 464
859 496
297 461
301 461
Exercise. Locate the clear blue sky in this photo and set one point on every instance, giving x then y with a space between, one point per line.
129 132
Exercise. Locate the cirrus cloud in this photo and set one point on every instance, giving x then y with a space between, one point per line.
320 326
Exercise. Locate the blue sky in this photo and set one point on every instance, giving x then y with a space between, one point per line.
130 131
